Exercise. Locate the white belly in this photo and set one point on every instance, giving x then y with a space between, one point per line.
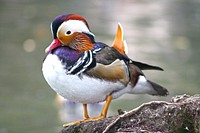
74 88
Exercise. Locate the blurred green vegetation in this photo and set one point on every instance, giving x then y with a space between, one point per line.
164 33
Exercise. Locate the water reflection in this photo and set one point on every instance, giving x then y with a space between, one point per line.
164 33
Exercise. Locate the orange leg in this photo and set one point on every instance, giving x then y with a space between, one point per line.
86 116
85 112
104 111
105 108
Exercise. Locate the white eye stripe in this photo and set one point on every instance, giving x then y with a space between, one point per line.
73 26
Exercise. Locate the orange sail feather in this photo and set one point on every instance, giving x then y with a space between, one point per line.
119 44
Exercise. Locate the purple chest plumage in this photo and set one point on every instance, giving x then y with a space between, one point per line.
66 55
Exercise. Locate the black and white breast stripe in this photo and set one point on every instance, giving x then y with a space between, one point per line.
84 63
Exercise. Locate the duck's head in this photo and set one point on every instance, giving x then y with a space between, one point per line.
71 30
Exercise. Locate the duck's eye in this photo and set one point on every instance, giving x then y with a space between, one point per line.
68 32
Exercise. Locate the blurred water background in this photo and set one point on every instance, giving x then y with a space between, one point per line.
164 33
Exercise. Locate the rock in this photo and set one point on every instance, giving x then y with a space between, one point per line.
180 115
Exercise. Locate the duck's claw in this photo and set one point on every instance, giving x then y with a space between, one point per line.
72 123
85 120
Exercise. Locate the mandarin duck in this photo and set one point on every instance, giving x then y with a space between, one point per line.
82 70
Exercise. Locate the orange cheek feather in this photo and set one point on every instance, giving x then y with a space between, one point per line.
65 39
81 42
77 41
